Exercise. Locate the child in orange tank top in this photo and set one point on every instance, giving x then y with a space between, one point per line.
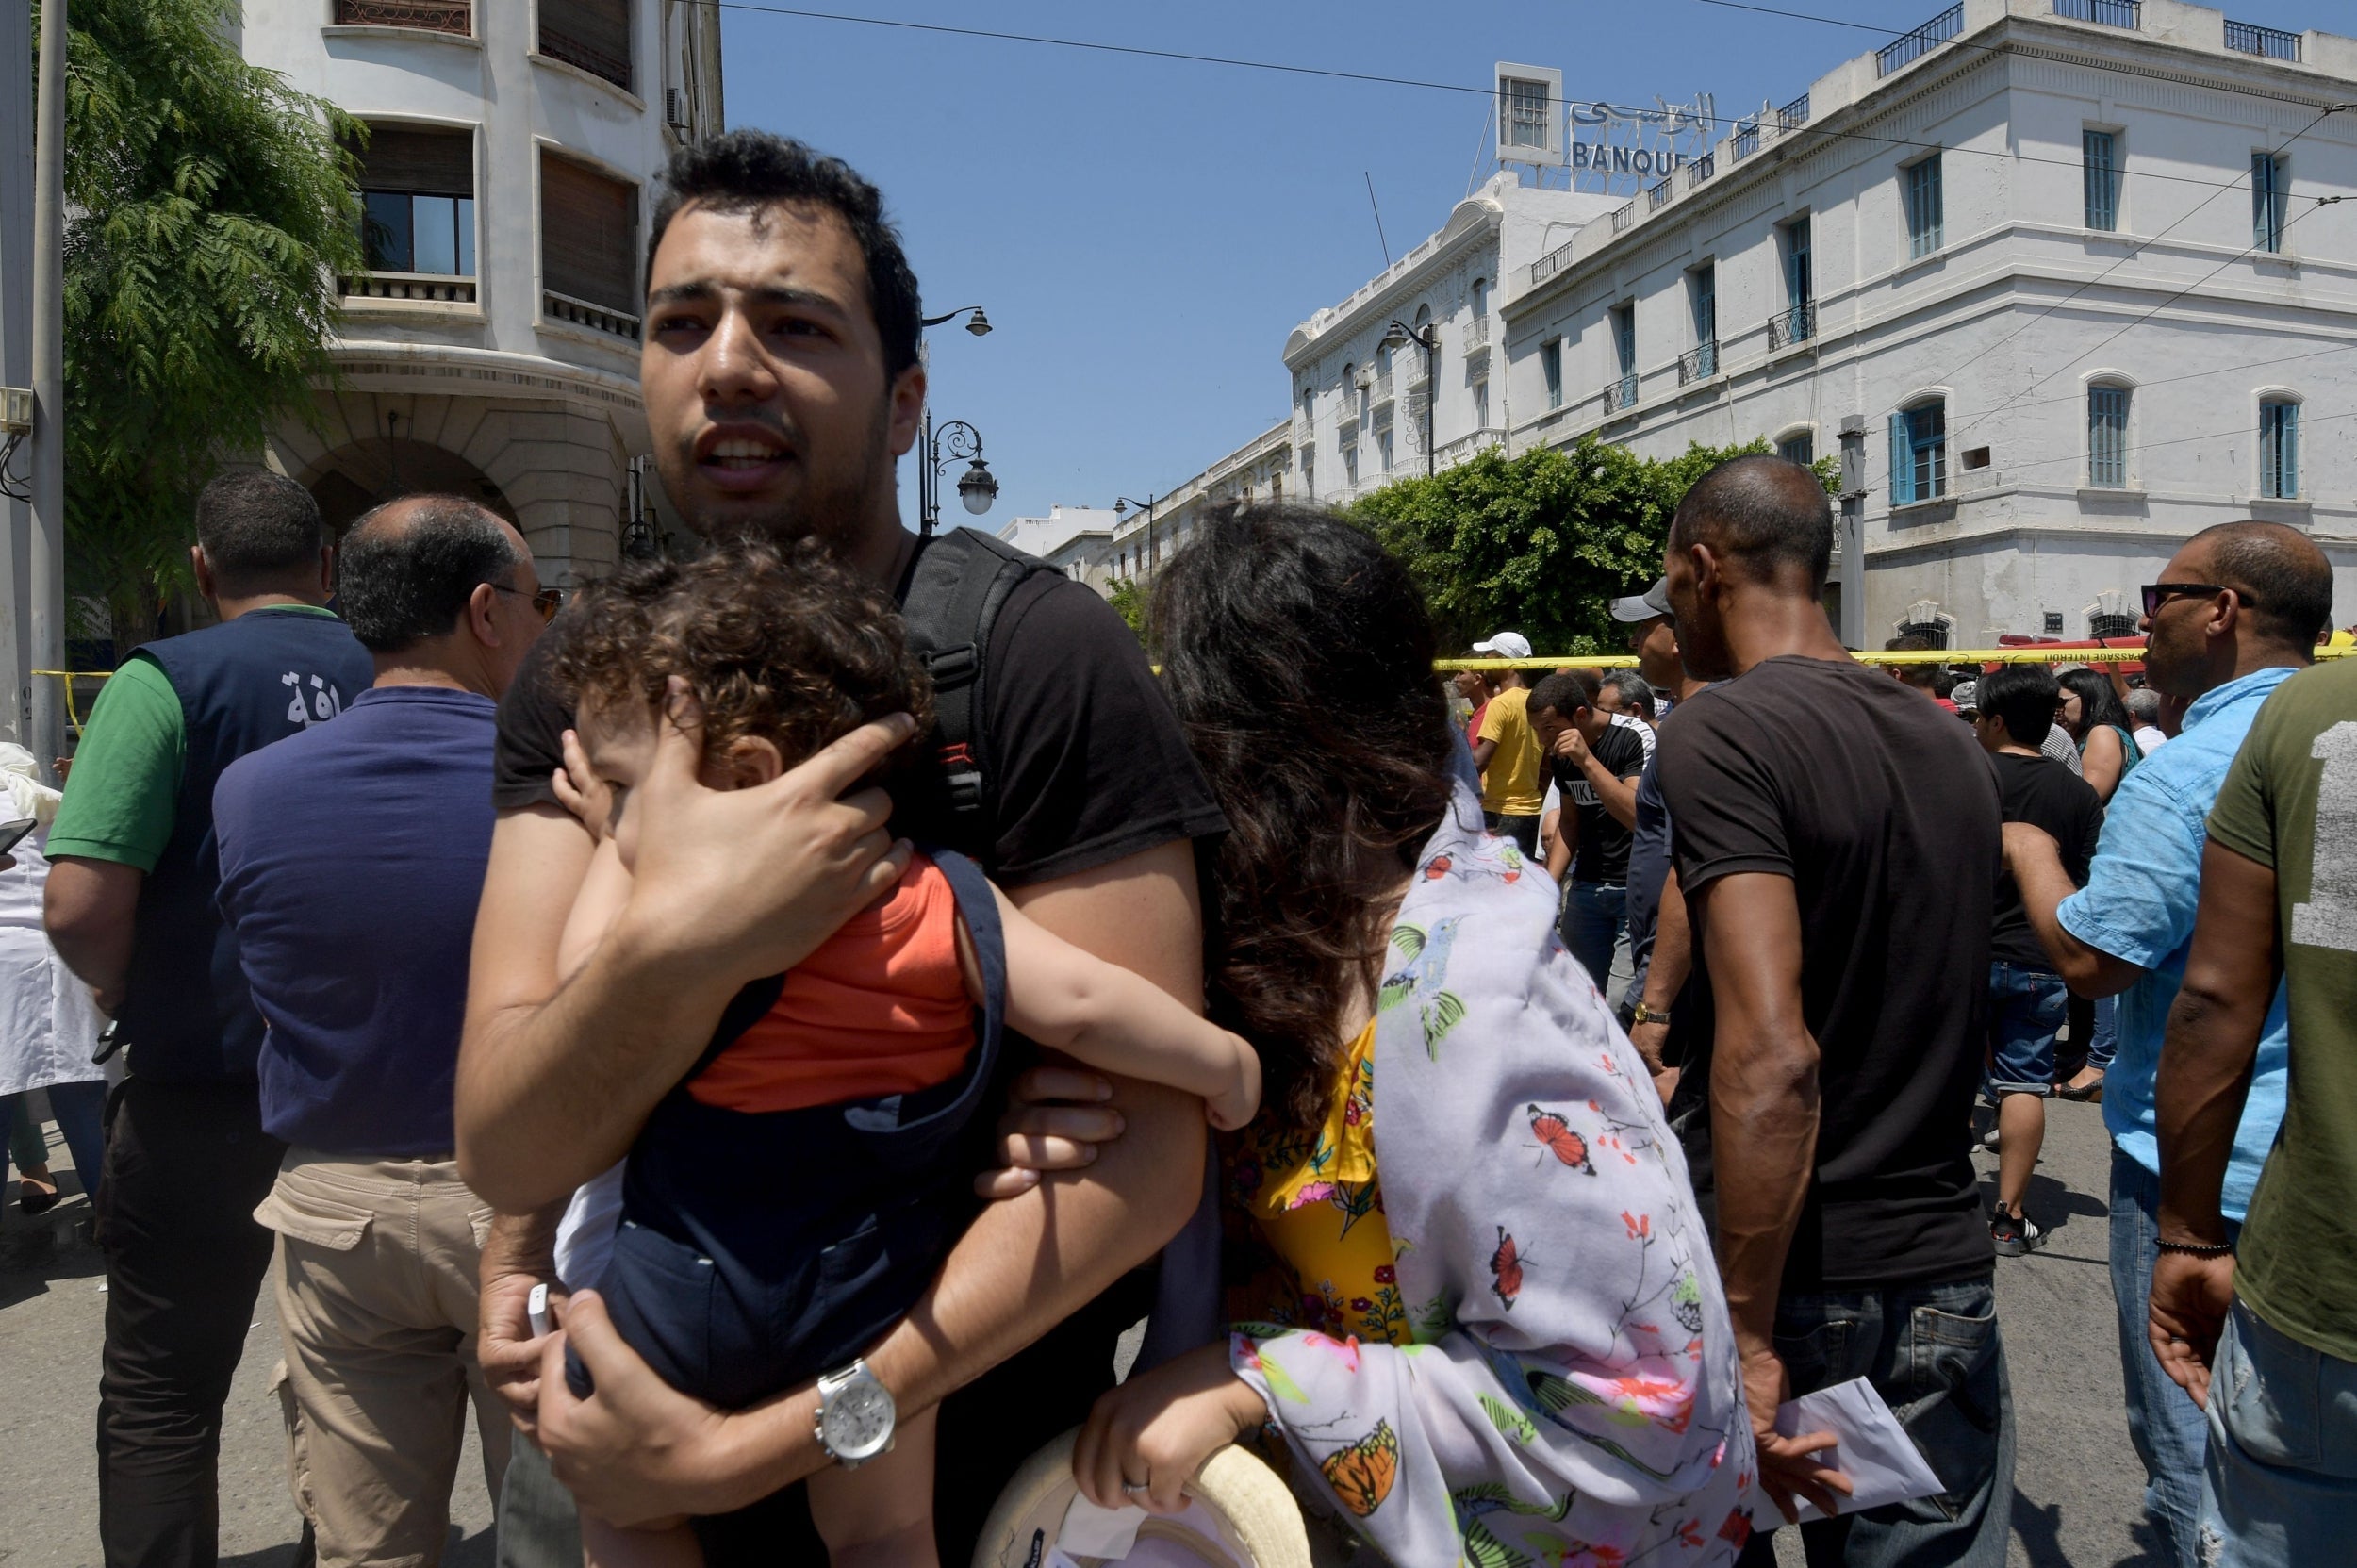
854 1074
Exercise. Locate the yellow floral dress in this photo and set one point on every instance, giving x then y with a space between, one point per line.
1316 1253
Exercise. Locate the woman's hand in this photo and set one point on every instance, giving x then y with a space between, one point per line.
1055 1118
1145 1440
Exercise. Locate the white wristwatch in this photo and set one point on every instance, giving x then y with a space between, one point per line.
855 1417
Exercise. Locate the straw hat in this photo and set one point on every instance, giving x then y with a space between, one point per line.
1239 1515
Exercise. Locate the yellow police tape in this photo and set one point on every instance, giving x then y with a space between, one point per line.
70 676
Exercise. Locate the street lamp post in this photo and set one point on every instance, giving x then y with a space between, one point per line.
1399 336
1119 501
976 487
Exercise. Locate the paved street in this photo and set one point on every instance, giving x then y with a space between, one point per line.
2076 1504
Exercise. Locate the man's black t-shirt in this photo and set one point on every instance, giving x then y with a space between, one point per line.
1600 849
2045 794
1890 838
1084 756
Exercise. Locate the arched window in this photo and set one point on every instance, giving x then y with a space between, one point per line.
1919 452
2279 446
2107 436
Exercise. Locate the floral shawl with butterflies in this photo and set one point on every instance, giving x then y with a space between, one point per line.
1570 1394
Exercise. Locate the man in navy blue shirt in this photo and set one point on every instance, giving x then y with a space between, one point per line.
352 857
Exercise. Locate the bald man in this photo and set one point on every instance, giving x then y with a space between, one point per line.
1835 837
351 860
2235 613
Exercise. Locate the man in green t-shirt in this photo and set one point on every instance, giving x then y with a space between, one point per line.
2265 1334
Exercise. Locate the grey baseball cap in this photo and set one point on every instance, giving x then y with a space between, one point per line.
1654 602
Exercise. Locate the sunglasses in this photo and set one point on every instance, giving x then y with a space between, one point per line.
2158 594
548 600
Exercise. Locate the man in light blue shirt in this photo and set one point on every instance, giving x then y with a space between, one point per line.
2210 638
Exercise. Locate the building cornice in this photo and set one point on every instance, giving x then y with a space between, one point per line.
2009 34
477 370
1475 218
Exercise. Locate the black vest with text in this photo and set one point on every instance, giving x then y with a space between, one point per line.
188 1016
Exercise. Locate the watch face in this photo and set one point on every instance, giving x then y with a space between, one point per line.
859 1419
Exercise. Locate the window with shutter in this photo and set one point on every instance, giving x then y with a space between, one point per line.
417 195
589 239
592 34
2107 437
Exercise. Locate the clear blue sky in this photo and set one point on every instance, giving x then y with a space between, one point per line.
1144 233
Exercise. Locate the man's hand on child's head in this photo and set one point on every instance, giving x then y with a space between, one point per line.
742 883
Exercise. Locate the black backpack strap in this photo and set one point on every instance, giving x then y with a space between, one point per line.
960 580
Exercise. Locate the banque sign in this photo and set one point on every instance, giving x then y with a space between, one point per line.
1606 146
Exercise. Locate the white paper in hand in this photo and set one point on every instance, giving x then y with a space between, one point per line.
1871 1448
1092 1531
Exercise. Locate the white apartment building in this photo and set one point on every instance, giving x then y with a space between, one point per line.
1360 390
1256 470
491 347
2065 261
1076 541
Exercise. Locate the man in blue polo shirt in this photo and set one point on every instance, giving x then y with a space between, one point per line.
351 861
2221 632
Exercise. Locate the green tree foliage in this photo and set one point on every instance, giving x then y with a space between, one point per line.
1129 600
210 206
1543 543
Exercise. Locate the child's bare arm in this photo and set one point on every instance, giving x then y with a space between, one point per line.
1110 1018
605 889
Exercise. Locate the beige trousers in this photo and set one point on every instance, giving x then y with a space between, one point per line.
377 1286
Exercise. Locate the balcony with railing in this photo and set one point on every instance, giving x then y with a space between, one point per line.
1793 115
1623 216
1699 363
1621 393
1477 330
1701 170
1746 139
596 318
1794 323
2248 38
1381 386
431 16
1914 45
430 288
1556 261
1657 195
2111 13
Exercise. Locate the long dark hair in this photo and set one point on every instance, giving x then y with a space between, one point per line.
1299 656
2098 704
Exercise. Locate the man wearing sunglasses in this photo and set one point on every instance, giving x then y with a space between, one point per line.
2236 612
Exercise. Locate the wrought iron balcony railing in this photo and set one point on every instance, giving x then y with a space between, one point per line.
1699 363
1620 394
1794 323
2249 38
1914 45
432 16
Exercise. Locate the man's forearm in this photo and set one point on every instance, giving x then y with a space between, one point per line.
2212 1041
2088 971
1672 958
1617 796
522 1244
1763 1119
551 1095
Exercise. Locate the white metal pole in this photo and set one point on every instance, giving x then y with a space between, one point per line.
46 617
16 357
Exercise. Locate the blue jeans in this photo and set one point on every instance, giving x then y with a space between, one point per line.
79 1108
2279 1488
1595 918
2164 1422
2103 1040
1934 1354
2025 1013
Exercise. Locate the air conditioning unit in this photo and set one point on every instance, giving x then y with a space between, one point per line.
675 108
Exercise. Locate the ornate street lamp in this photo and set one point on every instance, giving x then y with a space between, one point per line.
1119 501
977 488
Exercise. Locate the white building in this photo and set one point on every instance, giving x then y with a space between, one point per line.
1256 470
1362 400
2063 259
1077 540
492 346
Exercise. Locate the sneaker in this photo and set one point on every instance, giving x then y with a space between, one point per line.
2015 1235
1989 1139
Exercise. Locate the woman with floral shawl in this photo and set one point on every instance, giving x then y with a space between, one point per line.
1487 1327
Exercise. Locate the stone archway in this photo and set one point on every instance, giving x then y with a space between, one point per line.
352 478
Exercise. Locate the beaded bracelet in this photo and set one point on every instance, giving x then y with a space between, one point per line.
2197 1249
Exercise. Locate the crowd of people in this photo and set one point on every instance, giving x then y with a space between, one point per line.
761 1033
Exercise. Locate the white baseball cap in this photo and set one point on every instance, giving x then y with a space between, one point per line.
1505 645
